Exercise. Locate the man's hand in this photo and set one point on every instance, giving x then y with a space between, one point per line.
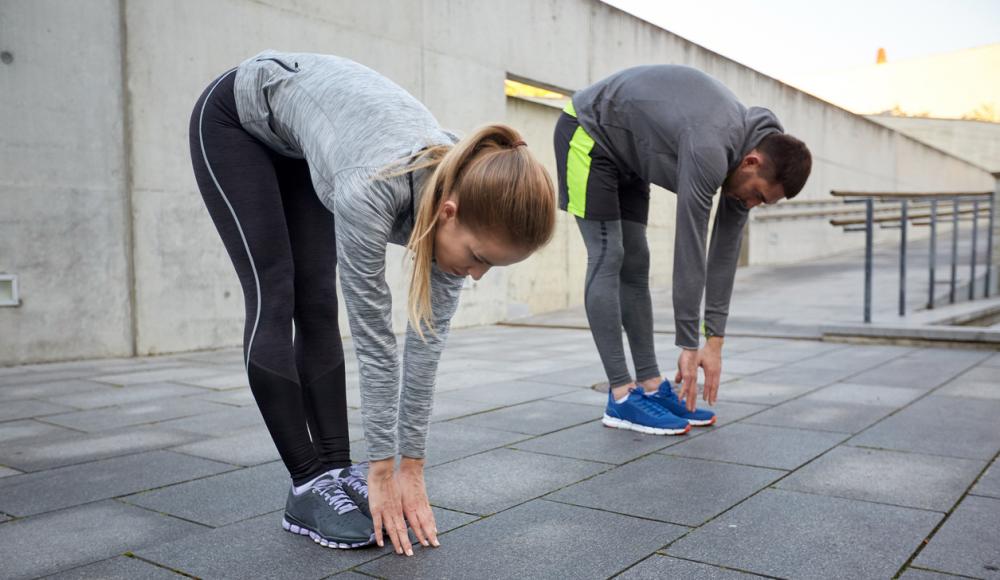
709 359
687 377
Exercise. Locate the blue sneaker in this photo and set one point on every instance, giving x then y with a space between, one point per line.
641 414
666 397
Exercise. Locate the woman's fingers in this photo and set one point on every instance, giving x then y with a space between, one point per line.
417 524
377 521
431 528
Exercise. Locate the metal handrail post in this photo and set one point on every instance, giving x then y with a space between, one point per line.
989 241
975 235
954 251
902 257
933 254
869 221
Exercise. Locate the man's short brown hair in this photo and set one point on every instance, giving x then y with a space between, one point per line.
790 161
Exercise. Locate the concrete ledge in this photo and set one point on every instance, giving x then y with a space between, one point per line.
965 335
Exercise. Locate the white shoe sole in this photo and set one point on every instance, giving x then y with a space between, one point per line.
296 529
695 423
623 424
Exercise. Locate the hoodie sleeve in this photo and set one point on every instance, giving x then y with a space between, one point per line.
723 257
701 170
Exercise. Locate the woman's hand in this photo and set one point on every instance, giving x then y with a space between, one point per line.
384 500
416 506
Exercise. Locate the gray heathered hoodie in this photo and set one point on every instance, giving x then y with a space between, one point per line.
683 130
349 122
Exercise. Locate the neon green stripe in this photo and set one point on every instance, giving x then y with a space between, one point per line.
578 171
569 110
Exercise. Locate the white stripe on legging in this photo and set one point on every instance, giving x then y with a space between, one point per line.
239 227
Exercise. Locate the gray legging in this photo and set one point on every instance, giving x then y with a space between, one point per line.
617 294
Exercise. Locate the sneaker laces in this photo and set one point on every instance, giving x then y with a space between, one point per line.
331 490
355 478
648 406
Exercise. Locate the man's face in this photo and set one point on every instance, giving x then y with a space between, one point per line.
749 184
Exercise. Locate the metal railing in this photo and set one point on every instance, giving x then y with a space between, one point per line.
922 209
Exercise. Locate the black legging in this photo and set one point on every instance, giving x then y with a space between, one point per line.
281 240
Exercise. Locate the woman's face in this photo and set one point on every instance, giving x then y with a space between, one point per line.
463 252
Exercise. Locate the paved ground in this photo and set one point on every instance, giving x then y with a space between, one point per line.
830 460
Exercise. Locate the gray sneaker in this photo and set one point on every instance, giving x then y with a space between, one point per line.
325 513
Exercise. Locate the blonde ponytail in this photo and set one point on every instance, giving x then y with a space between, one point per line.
501 190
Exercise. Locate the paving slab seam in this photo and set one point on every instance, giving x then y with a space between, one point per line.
740 570
124 500
607 511
920 398
951 574
237 466
548 454
859 499
906 452
130 554
948 514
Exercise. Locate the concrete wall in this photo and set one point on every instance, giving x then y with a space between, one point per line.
451 54
64 227
975 141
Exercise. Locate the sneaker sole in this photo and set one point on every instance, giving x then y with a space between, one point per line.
695 423
623 424
303 531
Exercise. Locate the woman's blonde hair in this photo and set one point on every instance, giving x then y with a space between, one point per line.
501 191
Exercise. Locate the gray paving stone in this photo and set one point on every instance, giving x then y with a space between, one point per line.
239 397
595 442
865 395
802 376
120 568
904 479
248 447
446 407
993 361
962 429
510 392
126 395
21 379
49 543
496 480
69 447
671 489
793 351
35 493
350 576
227 421
27 408
759 445
978 383
657 567
590 397
989 483
919 370
185 374
41 390
222 356
582 376
795 535
14 431
968 542
747 365
233 380
540 539
255 548
222 499
822 415
132 414
449 441
534 418
729 412
856 358
750 391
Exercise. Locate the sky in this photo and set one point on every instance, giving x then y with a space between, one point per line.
788 38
